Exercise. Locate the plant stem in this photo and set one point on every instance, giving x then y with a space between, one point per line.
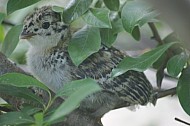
165 93
49 102
155 33
157 37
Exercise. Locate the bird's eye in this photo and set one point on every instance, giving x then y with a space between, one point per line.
45 25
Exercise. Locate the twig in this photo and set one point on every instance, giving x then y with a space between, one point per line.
157 37
165 93
155 33
179 120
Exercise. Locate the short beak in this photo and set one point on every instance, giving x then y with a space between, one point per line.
25 35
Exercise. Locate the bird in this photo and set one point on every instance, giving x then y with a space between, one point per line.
49 61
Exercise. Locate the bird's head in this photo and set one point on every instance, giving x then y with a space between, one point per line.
44 28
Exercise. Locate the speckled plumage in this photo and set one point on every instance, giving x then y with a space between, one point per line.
49 61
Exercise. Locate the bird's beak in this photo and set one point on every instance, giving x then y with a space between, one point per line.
25 35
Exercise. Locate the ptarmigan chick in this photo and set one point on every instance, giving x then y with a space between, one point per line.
49 61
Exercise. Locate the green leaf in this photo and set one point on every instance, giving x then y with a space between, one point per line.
172 37
142 62
19 54
162 61
176 64
160 65
73 86
58 9
112 4
136 33
84 43
98 4
2 16
29 109
15 118
14 5
107 36
23 93
117 26
97 17
11 40
160 76
39 119
183 90
87 87
21 80
134 15
75 9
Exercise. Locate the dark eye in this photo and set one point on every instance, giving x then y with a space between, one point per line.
45 25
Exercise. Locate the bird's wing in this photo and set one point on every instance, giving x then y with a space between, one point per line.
132 86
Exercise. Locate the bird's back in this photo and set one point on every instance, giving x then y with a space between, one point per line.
132 86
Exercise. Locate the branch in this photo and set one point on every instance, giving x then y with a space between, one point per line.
165 93
6 66
155 33
176 16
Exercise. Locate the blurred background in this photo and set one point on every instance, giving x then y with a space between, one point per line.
166 109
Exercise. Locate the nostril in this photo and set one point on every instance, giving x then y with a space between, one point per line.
64 27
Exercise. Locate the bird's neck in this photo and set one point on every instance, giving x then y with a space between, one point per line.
43 43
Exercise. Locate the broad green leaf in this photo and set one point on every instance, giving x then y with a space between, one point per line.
107 36
112 4
75 9
135 14
142 62
172 37
2 16
75 97
19 54
14 5
176 64
98 4
183 90
117 26
84 43
160 65
22 93
136 33
29 109
21 80
73 86
58 9
39 119
11 40
15 118
160 76
159 62
97 17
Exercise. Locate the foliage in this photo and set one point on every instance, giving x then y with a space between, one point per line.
11 40
104 20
